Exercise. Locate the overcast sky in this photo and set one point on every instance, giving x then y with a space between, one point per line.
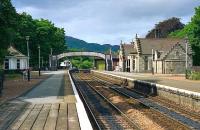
107 21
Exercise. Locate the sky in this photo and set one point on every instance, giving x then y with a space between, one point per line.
107 21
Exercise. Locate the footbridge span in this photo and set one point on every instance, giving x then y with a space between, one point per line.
53 59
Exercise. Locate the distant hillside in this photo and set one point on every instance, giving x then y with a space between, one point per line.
74 43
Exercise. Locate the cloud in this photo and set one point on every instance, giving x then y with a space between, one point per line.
107 21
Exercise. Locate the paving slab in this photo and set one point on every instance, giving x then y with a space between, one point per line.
42 108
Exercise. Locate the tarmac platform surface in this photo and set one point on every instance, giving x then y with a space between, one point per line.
176 81
52 105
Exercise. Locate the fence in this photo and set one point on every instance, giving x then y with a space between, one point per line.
193 73
196 68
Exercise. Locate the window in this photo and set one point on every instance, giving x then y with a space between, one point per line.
134 64
6 63
158 54
146 63
18 64
177 54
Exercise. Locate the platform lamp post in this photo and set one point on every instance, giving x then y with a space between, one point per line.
42 62
186 53
27 44
39 60
152 51
186 57
50 59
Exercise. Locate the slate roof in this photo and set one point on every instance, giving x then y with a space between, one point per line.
145 46
14 52
161 44
129 49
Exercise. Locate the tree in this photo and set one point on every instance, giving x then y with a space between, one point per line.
82 62
15 27
192 31
8 18
162 29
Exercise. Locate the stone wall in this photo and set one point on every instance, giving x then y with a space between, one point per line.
174 67
142 64
175 61
179 96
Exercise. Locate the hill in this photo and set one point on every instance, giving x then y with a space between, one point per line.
74 43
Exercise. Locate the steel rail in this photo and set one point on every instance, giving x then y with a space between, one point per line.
95 123
133 124
193 115
122 93
116 108
101 112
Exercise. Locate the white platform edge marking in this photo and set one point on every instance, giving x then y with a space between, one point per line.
157 85
82 115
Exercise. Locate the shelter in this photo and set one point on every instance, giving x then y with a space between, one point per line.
15 60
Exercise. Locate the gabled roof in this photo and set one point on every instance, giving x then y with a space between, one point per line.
160 44
14 52
129 49
182 45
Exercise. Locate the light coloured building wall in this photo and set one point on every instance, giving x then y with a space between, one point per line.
131 65
137 65
141 64
23 64
159 67
131 62
145 63
12 63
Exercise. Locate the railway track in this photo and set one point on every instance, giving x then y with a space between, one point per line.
105 115
172 114
167 103
188 112
175 107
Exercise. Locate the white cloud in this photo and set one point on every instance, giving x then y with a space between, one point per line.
107 21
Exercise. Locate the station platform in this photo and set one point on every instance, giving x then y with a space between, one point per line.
52 105
171 87
176 81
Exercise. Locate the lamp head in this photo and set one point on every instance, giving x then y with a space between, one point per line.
27 38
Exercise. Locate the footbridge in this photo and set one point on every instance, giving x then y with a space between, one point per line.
53 59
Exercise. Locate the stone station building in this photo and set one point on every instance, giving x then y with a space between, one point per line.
158 55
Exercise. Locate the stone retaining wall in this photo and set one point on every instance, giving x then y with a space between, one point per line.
180 96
